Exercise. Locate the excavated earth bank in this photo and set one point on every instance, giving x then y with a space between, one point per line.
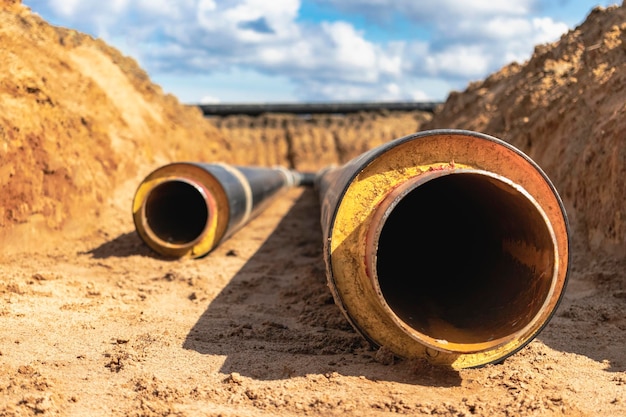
93 323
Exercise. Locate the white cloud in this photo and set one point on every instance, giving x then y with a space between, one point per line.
323 60
117 6
506 27
165 8
419 95
501 29
253 21
461 61
91 11
393 89
209 100
546 30
349 50
483 7
432 12
65 8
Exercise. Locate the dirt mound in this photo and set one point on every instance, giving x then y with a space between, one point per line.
78 119
565 108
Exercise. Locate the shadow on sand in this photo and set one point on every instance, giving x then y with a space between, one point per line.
282 320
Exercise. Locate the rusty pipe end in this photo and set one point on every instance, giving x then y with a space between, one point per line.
181 210
186 209
448 245
462 260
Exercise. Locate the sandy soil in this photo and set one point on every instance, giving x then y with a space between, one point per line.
94 323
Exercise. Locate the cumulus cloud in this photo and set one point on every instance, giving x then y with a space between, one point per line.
467 62
65 7
439 12
329 60
250 21
92 11
209 100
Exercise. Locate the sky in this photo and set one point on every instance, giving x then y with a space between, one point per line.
290 51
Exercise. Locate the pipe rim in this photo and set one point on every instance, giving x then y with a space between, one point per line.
431 148
210 207
210 191
377 225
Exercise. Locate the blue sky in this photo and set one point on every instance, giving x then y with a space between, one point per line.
256 51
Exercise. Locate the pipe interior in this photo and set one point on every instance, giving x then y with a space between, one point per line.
465 258
176 212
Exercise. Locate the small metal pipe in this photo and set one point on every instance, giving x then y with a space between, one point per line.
449 245
252 109
186 209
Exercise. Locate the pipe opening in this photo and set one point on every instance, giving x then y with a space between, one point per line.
176 212
465 258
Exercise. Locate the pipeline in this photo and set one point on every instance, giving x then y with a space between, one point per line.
314 108
186 209
448 245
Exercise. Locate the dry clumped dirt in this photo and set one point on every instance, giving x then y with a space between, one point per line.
94 323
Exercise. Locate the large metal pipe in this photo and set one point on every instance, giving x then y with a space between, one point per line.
448 245
186 209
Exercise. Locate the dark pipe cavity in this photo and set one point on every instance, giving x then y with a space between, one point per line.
446 264
176 212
